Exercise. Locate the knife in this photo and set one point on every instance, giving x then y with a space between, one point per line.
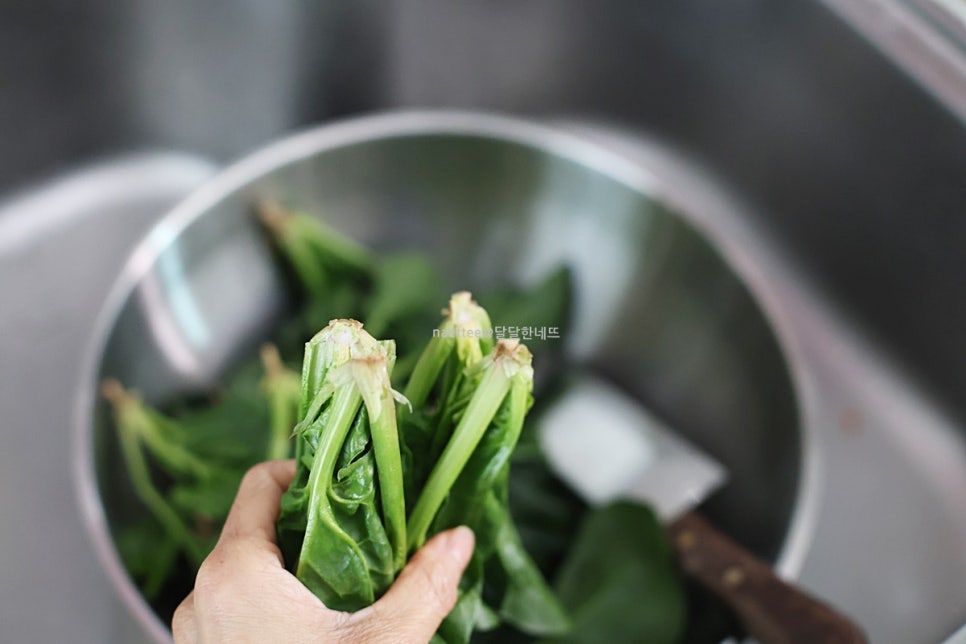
606 446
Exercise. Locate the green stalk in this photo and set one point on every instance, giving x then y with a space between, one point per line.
516 406
346 367
153 499
280 223
311 273
330 245
479 414
313 248
137 467
466 330
385 444
370 372
280 410
343 409
474 333
427 370
155 431
283 389
315 408
312 374
171 453
505 371
456 394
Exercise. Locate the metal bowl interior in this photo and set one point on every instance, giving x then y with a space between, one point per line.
657 309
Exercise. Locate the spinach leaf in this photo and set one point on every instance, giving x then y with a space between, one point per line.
147 554
406 289
469 611
619 581
545 304
528 601
332 273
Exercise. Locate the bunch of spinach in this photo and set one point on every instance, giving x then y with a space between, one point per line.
396 294
202 453
473 396
343 526
185 464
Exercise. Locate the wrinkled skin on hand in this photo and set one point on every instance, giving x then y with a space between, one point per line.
243 592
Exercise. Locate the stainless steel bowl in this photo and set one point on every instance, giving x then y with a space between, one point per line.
658 309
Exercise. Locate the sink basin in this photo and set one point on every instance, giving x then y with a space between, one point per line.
492 202
834 161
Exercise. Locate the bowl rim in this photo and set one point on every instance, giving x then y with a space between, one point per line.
712 212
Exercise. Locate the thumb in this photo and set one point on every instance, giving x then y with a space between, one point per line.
426 590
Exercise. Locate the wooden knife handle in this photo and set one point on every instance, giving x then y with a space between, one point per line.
772 611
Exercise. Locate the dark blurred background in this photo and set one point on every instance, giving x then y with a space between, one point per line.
852 165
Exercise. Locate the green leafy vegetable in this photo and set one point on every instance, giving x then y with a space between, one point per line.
406 291
319 257
346 504
468 398
281 386
375 480
547 304
143 428
145 556
481 418
203 454
619 581
404 303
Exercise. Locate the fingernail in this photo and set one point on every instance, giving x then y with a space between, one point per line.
460 544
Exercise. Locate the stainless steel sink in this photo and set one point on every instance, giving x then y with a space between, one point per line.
833 165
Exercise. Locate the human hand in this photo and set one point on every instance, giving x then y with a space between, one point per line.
243 593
